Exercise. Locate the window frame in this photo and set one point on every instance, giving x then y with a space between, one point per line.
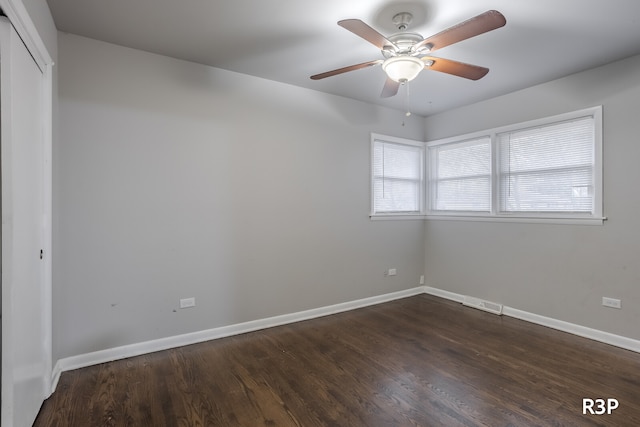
420 214
495 214
462 141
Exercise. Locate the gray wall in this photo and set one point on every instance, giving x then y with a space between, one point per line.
559 271
179 180
174 180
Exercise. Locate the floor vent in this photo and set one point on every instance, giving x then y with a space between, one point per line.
478 303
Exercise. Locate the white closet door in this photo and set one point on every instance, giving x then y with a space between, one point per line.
24 336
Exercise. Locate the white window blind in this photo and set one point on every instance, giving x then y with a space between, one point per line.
548 168
397 177
544 170
460 176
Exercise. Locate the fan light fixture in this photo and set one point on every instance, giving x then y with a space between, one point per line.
404 52
402 69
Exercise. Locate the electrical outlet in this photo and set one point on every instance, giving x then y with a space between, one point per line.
187 302
392 272
422 280
611 302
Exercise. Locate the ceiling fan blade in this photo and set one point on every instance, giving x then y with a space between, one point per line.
390 88
475 26
361 29
460 69
346 69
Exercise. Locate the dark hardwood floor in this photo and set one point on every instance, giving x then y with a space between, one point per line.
420 361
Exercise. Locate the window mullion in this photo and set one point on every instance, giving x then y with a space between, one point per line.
495 176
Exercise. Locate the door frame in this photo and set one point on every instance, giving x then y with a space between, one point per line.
26 29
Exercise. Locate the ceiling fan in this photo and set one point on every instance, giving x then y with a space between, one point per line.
406 54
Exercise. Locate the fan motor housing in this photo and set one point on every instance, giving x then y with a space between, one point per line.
403 42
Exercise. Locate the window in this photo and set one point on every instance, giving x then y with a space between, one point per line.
549 169
460 176
397 176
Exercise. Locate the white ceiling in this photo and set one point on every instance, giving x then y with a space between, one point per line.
290 40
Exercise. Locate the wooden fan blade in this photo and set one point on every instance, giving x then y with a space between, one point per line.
346 69
361 29
460 69
475 26
390 88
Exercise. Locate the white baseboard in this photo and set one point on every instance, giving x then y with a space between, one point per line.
572 328
108 355
117 353
444 294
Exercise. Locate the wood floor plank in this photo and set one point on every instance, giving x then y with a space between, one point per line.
419 361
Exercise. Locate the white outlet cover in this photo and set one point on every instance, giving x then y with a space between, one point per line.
392 272
187 302
611 302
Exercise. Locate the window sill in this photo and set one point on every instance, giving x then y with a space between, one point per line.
562 220
396 216
558 220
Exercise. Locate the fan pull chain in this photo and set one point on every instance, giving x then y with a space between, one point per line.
407 101
408 113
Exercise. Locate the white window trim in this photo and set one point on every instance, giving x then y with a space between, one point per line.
596 218
397 215
494 215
